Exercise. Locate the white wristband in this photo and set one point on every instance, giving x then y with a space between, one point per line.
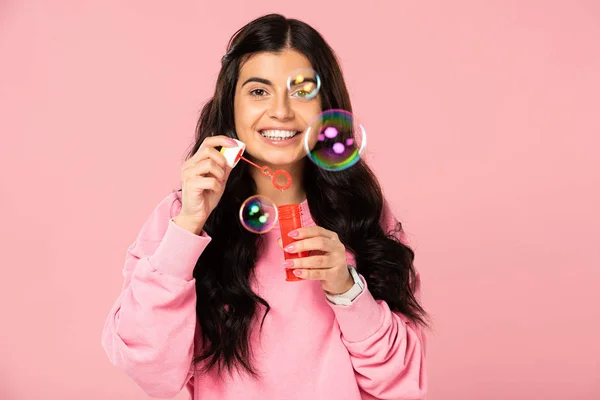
346 298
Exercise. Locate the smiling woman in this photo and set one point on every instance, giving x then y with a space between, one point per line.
205 303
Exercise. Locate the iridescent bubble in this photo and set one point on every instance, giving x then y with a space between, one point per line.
335 140
304 84
258 214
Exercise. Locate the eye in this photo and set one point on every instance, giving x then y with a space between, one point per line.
304 90
300 93
258 92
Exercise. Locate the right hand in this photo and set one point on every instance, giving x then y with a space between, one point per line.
203 178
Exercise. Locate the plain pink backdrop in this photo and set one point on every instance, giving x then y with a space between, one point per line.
483 121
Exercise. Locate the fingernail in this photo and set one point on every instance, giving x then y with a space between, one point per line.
293 234
298 272
289 248
288 263
232 142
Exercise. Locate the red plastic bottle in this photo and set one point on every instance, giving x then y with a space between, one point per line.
290 218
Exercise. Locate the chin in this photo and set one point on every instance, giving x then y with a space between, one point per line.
280 161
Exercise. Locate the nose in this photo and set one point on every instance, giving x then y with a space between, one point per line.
280 108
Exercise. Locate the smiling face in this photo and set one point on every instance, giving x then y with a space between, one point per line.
269 118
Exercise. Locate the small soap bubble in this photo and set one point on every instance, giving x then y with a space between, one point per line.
304 84
335 140
258 214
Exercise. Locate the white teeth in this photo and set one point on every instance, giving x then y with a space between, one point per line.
278 135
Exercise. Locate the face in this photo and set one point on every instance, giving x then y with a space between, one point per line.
269 118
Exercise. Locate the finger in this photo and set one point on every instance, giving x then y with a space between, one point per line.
313 274
205 167
200 184
312 231
218 140
310 262
320 243
206 153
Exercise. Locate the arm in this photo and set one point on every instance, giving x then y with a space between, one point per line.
149 332
386 349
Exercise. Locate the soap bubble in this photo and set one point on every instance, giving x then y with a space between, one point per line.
335 140
304 84
258 214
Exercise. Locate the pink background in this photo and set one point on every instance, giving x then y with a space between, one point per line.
483 122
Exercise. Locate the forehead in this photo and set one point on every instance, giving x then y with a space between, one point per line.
275 66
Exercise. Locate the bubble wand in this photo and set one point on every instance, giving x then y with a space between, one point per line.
234 154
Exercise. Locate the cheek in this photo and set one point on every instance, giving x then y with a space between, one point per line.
309 114
310 111
247 115
237 113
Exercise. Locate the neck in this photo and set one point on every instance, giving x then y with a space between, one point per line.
295 194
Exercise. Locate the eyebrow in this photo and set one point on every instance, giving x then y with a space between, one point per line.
259 80
269 83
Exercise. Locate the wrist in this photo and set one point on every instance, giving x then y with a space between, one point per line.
347 285
346 298
188 224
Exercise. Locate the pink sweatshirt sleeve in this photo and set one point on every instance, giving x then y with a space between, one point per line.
149 332
386 349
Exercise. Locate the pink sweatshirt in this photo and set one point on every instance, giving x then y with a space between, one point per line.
309 348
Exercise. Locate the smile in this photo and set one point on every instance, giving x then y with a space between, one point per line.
278 134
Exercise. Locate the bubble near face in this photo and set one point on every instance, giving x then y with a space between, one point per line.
340 140
258 214
304 84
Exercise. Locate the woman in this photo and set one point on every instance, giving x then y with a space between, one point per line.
205 304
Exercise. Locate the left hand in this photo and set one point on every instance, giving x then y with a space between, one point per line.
326 262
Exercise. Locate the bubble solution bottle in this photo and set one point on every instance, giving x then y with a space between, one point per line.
290 218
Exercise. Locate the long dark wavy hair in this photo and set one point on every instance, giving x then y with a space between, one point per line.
226 304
